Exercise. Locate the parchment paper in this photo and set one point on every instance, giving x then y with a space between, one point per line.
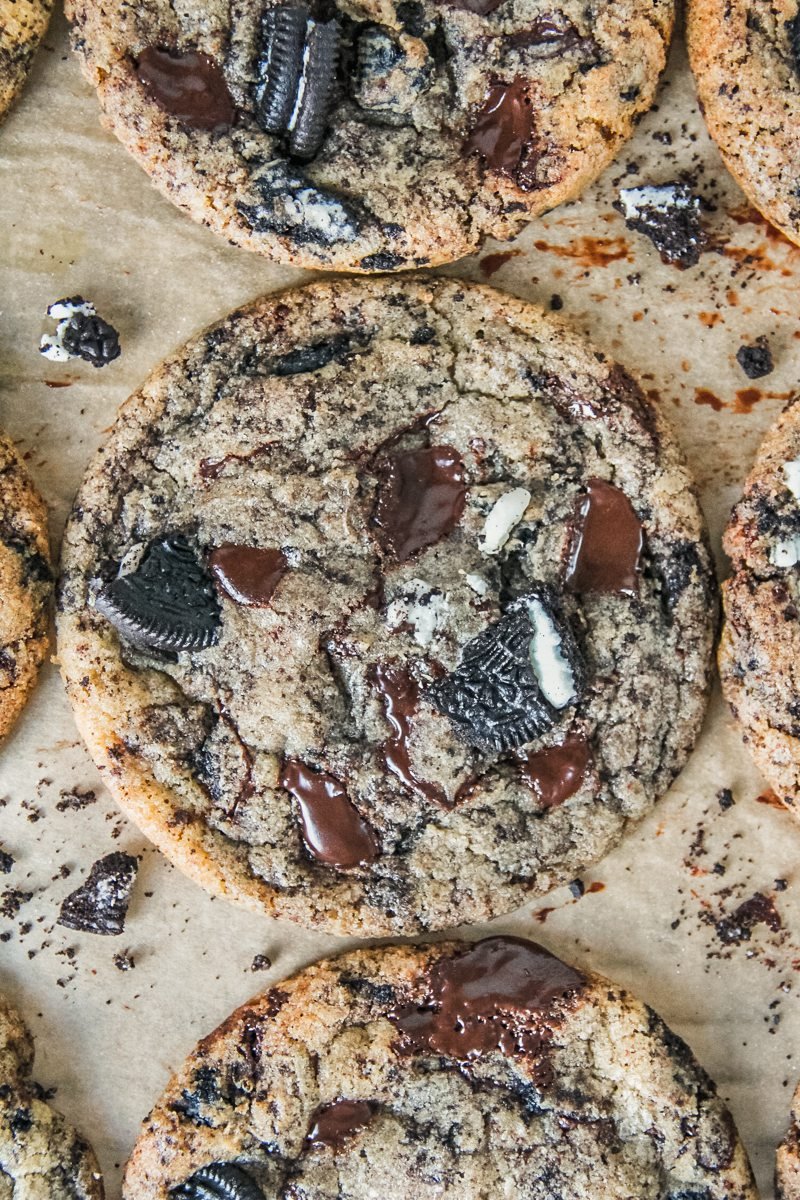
78 216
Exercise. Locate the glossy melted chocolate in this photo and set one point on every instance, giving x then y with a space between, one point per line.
399 693
188 85
503 127
557 772
420 499
607 542
333 829
332 1125
248 574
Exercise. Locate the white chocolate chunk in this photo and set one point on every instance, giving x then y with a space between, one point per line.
503 516
549 663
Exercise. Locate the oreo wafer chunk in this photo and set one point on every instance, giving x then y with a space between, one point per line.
168 603
219 1181
296 77
100 905
514 677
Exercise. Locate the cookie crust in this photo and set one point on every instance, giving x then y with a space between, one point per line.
22 26
220 441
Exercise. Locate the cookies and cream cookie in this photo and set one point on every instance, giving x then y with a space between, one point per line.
22 27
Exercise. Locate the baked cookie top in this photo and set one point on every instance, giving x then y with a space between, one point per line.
22 27
760 647
40 1154
746 60
371 135
386 605
25 584
468 1071
787 1173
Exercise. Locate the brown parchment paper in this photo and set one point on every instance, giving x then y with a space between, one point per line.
78 216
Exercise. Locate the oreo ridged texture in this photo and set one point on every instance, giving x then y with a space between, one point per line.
296 77
219 1181
168 603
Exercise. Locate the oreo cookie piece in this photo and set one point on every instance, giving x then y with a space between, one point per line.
100 905
219 1181
669 215
296 77
167 603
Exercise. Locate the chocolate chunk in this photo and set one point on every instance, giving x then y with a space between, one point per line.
669 215
188 85
291 206
167 603
219 1181
556 772
756 360
481 8
607 542
495 698
502 133
551 36
296 77
332 1125
100 905
400 695
502 994
333 829
248 574
420 500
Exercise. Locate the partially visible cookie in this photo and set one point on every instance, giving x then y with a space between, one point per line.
760 649
41 1156
787 1164
25 584
448 1072
746 60
22 26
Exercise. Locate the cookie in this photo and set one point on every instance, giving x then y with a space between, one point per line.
787 1172
375 135
40 1154
25 584
456 1070
746 61
387 605
761 637
22 27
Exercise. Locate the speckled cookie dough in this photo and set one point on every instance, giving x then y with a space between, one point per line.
746 60
41 1156
372 135
25 584
760 648
387 605
787 1172
450 1071
22 26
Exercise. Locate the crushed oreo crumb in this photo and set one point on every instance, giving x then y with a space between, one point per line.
6 862
124 961
261 962
100 905
725 798
669 215
80 333
756 359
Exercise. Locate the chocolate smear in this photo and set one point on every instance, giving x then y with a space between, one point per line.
332 1125
248 574
502 994
607 542
333 829
503 133
400 695
556 772
420 500
188 85
100 905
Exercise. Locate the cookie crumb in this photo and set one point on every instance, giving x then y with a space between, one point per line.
6 862
261 962
80 333
669 215
124 961
756 360
100 905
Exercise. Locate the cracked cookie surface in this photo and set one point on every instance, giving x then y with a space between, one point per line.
25 584
464 605
761 637
22 27
746 60
346 1081
41 1156
448 123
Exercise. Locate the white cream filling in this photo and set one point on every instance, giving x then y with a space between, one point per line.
504 515
51 345
422 607
549 663
785 553
791 474
479 585
661 197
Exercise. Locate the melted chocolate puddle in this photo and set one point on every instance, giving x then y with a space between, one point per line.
248 574
399 693
333 829
607 542
420 499
502 132
557 772
188 85
332 1125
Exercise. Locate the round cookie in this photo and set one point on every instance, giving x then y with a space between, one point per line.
41 1156
22 27
387 605
449 1071
787 1172
746 60
25 584
761 640
445 121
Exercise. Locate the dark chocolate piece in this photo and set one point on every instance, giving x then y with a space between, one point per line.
248 574
503 993
219 1181
332 1125
333 829
400 695
503 133
167 603
607 542
420 500
494 697
100 905
188 85
296 77
756 360
556 772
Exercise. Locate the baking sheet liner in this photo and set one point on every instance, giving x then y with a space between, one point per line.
658 915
